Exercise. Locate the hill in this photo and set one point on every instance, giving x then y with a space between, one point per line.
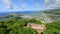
54 14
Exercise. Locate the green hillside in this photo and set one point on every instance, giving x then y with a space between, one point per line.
54 14
53 11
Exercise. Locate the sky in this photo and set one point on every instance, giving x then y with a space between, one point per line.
28 5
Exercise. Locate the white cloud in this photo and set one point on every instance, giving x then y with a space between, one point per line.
22 5
37 5
7 3
52 3
46 1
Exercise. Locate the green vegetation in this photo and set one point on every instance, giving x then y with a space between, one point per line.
34 21
16 26
52 28
53 14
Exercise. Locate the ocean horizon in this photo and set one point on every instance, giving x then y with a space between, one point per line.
21 12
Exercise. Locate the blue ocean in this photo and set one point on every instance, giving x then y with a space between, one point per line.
21 12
